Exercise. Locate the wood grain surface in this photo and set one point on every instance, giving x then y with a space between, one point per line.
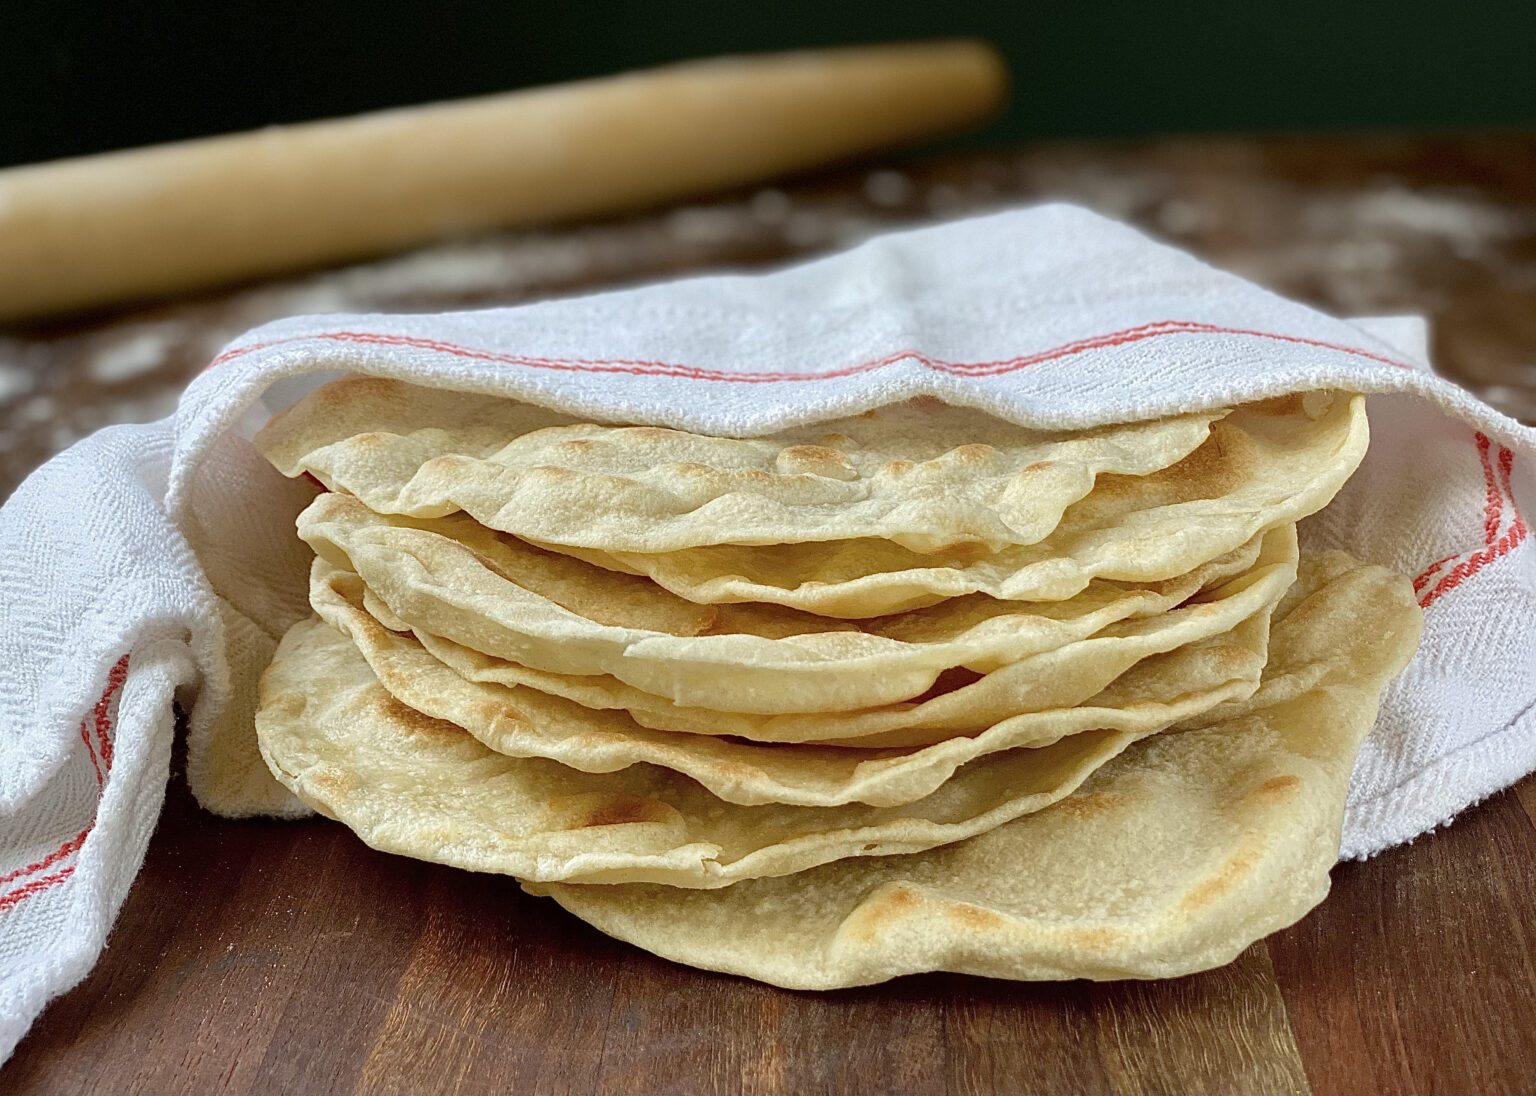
273 957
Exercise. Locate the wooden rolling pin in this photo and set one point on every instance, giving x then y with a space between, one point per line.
153 221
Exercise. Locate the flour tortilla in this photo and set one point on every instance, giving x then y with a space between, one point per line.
525 722
459 588
1172 858
410 784
922 474
962 707
1265 464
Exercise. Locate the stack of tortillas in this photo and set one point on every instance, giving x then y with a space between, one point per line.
918 689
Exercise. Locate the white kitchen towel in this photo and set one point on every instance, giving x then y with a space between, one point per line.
154 561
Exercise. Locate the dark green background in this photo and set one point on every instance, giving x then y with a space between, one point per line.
79 77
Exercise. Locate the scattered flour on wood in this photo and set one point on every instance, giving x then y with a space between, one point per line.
124 355
14 381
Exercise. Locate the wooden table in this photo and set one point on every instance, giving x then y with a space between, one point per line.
273 957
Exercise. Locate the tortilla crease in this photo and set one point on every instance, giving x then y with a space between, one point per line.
1171 859
495 602
524 722
924 474
1264 464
